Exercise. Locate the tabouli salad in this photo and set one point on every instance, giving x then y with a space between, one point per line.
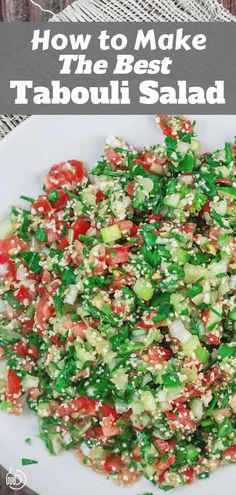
118 309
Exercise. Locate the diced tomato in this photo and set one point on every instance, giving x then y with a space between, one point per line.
112 157
154 218
56 340
162 466
13 385
157 354
186 126
180 420
108 411
136 453
205 314
117 255
44 311
212 338
230 453
28 327
113 464
188 475
95 432
223 180
206 207
215 232
12 243
161 445
164 123
82 405
63 244
212 375
124 225
46 277
33 352
4 258
42 205
62 200
20 348
109 427
80 227
23 293
120 281
100 196
188 228
130 188
66 173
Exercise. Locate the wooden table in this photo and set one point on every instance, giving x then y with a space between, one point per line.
230 5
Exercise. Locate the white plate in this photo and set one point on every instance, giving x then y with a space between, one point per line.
25 155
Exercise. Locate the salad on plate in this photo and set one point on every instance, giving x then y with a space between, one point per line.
118 309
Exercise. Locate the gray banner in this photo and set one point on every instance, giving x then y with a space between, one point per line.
118 68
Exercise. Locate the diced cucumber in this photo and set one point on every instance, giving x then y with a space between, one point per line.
180 256
111 234
232 314
202 354
191 344
71 294
173 393
89 196
146 183
148 401
197 408
7 228
172 201
227 191
220 207
30 381
120 379
144 289
44 409
194 273
195 145
178 301
215 316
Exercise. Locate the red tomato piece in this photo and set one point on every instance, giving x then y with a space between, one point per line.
113 464
82 405
109 427
66 173
162 466
212 338
108 411
212 375
80 227
44 310
23 293
100 196
230 453
20 348
12 243
112 157
188 475
63 244
42 205
161 445
158 354
154 218
62 200
117 255
13 385
130 188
